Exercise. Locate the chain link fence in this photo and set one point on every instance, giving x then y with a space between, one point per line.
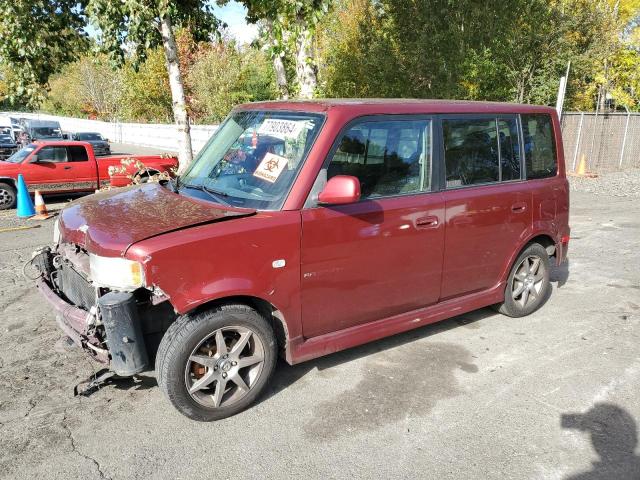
607 142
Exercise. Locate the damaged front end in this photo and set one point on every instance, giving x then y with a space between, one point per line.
120 329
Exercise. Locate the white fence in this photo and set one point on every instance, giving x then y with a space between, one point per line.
156 135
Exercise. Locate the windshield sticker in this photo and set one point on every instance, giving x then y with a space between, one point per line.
270 167
281 128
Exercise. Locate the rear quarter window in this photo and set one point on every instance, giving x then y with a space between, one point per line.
539 146
78 154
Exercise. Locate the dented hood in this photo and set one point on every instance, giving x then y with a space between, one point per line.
108 223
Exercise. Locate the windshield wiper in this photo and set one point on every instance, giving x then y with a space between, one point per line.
215 194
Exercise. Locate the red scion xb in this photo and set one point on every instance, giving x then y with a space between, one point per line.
307 227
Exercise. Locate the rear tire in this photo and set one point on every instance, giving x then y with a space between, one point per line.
7 196
528 286
214 364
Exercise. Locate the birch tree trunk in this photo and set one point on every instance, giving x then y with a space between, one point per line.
278 64
281 76
185 153
305 67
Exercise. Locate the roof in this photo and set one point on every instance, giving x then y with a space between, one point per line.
396 105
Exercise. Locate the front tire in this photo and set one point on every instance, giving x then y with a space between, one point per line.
528 286
214 364
7 196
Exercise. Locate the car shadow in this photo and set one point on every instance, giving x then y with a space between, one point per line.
614 437
286 375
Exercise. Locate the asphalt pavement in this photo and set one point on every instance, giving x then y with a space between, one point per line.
550 396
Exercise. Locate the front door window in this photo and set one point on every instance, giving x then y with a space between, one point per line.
389 158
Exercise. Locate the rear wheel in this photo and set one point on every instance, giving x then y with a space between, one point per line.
528 286
7 196
215 364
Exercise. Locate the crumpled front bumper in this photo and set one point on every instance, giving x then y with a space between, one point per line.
74 322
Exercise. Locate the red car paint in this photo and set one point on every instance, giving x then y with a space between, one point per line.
77 176
353 273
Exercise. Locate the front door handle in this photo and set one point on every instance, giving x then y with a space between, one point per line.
67 167
427 222
519 207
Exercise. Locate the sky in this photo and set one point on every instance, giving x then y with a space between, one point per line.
233 14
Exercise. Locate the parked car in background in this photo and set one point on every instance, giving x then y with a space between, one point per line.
69 167
7 146
98 142
304 228
42 129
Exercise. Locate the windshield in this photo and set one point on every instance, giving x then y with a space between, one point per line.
20 155
253 158
46 132
89 136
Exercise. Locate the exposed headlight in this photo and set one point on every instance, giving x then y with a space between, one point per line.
117 273
56 232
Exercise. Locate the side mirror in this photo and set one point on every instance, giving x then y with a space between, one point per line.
34 158
340 190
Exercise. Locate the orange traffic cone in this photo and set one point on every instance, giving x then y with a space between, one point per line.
41 208
582 166
582 171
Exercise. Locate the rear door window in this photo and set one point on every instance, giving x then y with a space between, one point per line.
471 151
539 146
391 157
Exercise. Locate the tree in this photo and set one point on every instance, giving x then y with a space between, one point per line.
475 50
145 91
86 87
242 75
136 25
291 26
37 38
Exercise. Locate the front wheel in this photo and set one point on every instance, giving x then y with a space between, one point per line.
214 364
7 196
528 286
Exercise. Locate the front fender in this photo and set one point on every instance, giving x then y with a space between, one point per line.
256 256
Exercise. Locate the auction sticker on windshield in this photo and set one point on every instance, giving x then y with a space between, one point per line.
281 128
270 167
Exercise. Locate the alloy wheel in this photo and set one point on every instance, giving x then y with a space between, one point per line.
528 281
6 197
224 366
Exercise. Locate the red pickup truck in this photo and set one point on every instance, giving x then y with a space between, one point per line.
68 167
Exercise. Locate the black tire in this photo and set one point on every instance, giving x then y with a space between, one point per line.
8 196
188 334
538 291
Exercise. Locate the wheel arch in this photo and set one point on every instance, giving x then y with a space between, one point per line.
11 181
268 310
543 238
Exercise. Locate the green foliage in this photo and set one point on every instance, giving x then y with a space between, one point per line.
146 96
88 87
476 50
288 24
224 76
131 27
37 37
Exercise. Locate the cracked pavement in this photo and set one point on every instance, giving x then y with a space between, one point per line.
478 396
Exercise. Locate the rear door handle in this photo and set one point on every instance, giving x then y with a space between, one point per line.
519 207
427 222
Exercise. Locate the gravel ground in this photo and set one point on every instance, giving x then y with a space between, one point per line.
617 184
479 396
